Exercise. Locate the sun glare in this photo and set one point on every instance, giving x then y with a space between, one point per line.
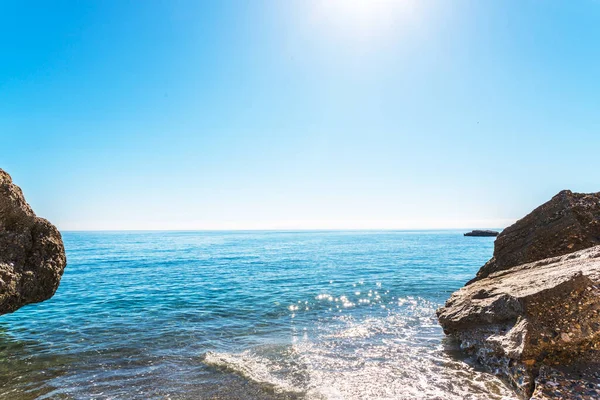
364 17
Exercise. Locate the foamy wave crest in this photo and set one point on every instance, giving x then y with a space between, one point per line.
276 376
393 354
251 367
288 375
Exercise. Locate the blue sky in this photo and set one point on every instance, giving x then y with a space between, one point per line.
298 114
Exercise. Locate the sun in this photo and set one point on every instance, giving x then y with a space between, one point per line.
360 11
364 17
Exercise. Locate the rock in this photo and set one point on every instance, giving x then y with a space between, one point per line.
567 383
32 254
482 233
532 314
538 315
568 222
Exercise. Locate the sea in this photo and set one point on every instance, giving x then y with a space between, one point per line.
248 315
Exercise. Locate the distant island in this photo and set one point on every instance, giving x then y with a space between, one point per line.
482 233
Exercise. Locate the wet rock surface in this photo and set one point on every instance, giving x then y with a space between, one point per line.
567 223
32 254
484 233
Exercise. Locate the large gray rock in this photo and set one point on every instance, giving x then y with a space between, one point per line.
518 321
566 223
32 254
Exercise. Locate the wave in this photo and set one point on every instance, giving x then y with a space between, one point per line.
330 377
282 376
250 367
388 357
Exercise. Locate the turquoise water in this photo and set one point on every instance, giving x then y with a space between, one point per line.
247 315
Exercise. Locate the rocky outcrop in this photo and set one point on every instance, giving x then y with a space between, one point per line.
567 223
532 314
32 254
543 313
484 233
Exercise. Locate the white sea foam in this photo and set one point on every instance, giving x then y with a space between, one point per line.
380 357
252 367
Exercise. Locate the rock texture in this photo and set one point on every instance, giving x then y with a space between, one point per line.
32 254
541 313
482 233
567 223
532 314
579 383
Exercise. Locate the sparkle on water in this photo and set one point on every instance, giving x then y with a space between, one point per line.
248 315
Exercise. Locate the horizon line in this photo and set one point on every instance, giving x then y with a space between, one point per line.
290 225
285 230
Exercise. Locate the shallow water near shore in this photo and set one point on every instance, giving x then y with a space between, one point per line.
248 315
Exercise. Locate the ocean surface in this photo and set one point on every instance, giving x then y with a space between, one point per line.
248 315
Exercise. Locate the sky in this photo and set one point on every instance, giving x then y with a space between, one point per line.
298 114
